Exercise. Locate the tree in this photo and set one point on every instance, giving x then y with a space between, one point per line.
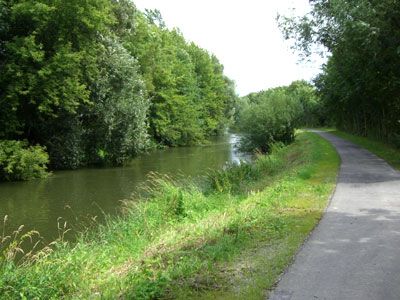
191 98
271 119
47 61
116 124
93 81
360 83
313 110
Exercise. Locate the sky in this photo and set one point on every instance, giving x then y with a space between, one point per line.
244 36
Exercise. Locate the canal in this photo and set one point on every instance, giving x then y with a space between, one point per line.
78 196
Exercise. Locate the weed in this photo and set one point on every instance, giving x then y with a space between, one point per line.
174 239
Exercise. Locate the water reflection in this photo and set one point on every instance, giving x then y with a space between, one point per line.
73 195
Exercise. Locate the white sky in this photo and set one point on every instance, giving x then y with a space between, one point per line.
243 34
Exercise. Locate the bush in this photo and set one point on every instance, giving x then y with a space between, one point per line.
270 121
18 161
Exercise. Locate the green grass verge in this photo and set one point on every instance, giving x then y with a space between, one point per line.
386 151
228 239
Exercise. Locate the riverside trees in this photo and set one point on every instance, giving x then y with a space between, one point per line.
271 116
99 81
360 84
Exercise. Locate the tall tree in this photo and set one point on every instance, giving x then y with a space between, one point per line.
48 57
190 95
116 124
94 80
360 84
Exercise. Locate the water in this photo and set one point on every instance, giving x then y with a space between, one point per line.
76 196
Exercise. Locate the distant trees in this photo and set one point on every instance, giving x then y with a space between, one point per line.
268 122
191 98
98 81
360 84
313 112
271 116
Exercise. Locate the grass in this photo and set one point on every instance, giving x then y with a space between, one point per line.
228 239
388 152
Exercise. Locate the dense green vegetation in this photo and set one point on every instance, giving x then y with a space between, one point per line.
359 84
271 116
97 82
20 162
227 239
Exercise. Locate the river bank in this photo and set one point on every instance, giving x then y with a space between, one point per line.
227 240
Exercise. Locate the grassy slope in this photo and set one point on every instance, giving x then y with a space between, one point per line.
252 273
229 241
385 151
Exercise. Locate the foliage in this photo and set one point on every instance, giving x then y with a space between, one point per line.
272 115
48 55
116 125
359 84
314 113
271 118
174 242
20 162
95 81
191 98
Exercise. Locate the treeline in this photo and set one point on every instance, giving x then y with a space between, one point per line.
360 84
98 81
269 117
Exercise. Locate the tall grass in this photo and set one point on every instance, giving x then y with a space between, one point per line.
172 239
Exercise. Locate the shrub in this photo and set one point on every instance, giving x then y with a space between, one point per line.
270 121
18 161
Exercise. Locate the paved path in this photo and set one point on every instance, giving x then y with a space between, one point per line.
354 253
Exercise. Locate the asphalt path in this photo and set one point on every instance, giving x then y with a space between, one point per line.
354 252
